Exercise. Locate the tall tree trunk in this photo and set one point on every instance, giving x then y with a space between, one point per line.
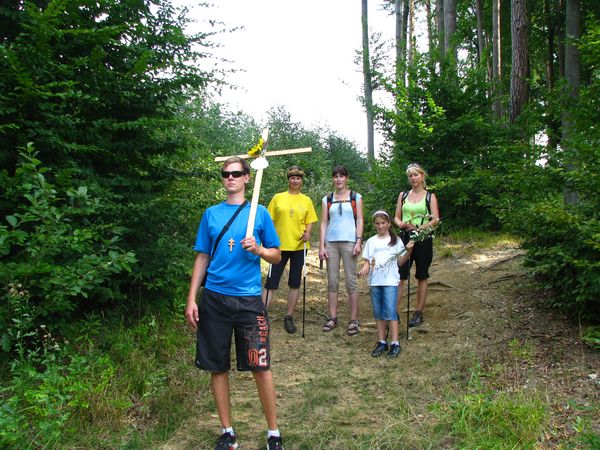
368 85
450 27
553 122
430 36
439 15
405 13
550 43
411 32
400 43
573 77
496 59
519 86
560 31
573 34
430 40
480 41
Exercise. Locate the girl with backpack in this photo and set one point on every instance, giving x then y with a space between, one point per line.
340 239
383 253
417 209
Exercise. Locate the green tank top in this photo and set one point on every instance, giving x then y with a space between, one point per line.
411 211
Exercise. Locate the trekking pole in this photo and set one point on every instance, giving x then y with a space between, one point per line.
408 302
304 289
268 278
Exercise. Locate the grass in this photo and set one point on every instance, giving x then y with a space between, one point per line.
483 418
470 240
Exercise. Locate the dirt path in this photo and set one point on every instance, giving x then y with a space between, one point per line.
331 391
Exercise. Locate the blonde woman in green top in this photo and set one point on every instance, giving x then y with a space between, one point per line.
416 209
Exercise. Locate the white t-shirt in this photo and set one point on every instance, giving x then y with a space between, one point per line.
385 270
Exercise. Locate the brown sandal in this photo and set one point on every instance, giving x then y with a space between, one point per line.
353 328
330 324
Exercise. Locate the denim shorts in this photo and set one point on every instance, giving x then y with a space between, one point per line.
384 299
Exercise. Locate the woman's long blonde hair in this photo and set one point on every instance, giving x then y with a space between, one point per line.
414 167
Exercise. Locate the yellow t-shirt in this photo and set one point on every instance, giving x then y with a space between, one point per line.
291 213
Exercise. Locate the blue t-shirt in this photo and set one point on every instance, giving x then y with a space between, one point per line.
235 272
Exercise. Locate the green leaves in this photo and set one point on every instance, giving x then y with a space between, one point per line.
12 220
56 249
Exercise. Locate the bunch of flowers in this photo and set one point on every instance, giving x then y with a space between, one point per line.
254 151
421 234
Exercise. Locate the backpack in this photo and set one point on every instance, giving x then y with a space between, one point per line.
427 200
330 201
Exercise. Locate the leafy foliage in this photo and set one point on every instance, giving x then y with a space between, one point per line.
564 254
54 250
97 87
563 240
490 174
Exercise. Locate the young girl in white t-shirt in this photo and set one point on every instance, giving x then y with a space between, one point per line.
382 254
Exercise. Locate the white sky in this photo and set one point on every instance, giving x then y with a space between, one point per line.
299 54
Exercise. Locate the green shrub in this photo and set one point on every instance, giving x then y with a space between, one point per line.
563 253
591 337
48 385
55 256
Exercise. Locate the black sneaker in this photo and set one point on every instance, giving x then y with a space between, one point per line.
395 350
416 320
227 441
380 349
275 443
288 323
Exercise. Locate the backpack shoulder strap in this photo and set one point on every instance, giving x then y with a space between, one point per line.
403 196
329 200
428 202
353 203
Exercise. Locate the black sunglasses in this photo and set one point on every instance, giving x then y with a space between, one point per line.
233 173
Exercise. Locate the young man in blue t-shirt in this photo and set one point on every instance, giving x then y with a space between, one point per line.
231 301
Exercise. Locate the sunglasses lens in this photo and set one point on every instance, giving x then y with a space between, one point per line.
234 173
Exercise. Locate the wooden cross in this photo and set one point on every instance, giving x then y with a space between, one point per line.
231 243
259 164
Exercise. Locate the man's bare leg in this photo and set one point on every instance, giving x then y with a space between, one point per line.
266 393
220 388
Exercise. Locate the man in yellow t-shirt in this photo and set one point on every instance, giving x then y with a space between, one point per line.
293 214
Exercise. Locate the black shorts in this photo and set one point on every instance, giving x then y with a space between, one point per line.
246 317
422 255
296 258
